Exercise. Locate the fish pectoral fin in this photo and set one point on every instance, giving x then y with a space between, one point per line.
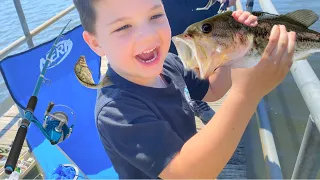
304 16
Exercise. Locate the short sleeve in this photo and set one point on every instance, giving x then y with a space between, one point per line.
197 87
137 135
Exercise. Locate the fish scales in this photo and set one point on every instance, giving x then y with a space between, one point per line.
306 38
84 75
222 41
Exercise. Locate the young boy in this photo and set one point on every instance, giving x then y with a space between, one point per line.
145 120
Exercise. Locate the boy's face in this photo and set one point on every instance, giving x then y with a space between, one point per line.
134 35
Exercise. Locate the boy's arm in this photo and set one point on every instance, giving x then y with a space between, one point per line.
220 83
206 153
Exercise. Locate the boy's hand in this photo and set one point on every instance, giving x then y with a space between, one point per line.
245 17
273 67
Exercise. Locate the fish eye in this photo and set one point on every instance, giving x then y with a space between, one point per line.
206 28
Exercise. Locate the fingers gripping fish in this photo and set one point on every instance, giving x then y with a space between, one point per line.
222 41
84 75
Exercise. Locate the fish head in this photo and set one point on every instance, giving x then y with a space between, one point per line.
211 43
82 61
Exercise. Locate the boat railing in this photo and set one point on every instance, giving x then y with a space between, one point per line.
28 35
308 162
308 83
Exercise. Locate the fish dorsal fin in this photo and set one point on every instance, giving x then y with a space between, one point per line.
304 16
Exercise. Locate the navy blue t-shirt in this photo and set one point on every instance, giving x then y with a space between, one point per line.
142 128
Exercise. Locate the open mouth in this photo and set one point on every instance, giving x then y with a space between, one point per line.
185 53
193 56
148 56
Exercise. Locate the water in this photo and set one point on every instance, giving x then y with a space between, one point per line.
36 13
287 111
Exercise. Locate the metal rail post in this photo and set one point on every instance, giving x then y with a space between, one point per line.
23 22
309 86
308 160
249 5
267 141
27 34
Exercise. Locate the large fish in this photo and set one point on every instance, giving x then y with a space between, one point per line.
222 41
84 75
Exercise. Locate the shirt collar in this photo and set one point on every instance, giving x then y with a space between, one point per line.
121 82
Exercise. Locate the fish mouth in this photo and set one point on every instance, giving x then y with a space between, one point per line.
185 52
192 55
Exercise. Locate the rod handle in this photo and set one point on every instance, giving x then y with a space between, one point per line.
16 147
32 103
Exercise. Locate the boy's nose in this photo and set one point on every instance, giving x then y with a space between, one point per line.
147 34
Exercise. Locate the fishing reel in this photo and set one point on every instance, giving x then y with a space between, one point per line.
55 125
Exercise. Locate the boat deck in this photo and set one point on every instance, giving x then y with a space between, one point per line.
235 169
8 129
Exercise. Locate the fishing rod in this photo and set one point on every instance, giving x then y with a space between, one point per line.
223 6
55 126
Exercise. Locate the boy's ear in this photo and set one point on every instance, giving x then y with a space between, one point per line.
93 43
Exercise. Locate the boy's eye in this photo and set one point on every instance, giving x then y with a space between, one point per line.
128 26
122 28
156 16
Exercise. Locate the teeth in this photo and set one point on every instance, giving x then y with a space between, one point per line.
145 52
155 54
